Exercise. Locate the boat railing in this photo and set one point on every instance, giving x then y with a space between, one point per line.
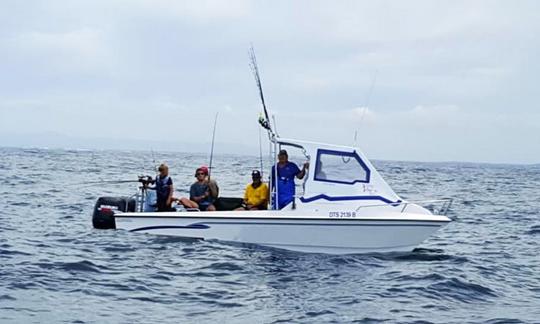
436 206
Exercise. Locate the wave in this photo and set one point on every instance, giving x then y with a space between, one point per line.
535 230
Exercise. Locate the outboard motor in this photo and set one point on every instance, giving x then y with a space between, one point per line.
103 217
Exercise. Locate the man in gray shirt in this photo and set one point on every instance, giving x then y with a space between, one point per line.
203 192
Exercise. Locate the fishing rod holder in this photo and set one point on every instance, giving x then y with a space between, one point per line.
264 123
141 195
146 180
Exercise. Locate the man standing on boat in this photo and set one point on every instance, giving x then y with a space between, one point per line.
286 172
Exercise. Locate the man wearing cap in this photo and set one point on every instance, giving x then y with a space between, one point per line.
201 196
256 194
286 172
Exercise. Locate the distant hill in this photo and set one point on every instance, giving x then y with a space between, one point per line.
56 140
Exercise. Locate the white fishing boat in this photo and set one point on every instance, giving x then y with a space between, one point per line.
344 206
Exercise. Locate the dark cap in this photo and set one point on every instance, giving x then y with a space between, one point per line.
283 152
256 174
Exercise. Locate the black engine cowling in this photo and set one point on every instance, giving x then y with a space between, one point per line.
103 216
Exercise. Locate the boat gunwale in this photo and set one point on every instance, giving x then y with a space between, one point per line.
443 219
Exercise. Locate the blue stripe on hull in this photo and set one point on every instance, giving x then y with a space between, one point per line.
192 226
206 226
348 198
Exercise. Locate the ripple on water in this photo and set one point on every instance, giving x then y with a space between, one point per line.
504 321
461 290
223 266
419 254
76 266
7 297
9 253
535 230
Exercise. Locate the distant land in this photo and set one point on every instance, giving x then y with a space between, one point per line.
60 141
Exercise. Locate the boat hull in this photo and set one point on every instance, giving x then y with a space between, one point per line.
401 232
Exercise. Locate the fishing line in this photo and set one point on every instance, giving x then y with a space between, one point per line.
364 109
260 154
154 165
212 149
368 97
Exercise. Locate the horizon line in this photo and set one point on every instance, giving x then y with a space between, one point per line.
87 149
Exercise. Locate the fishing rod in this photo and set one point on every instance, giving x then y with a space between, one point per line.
366 106
141 179
212 149
153 166
108 181
264 121
368 96
255 70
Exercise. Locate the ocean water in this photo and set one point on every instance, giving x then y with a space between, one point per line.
55 268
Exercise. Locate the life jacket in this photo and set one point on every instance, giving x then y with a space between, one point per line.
162 188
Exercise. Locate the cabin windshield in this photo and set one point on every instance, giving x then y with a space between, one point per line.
340 167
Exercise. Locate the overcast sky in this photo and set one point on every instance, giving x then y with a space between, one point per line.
453 80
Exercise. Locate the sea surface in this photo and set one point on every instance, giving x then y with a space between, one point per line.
55 268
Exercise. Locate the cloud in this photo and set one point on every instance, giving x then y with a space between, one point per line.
452 78
79 50
203 11
443 132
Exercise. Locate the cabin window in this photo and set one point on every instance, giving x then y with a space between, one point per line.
340 167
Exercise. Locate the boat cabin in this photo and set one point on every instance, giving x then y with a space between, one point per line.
337 175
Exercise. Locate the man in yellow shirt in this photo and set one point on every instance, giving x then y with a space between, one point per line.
256 195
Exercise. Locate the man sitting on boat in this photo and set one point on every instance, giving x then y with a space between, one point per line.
286 172
164 189
202 193
256 194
